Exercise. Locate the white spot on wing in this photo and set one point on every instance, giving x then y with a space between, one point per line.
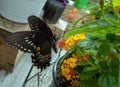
21 47
26 37
25 49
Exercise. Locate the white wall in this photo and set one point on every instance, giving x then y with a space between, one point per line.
19 10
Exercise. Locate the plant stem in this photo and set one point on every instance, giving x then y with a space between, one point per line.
82 18
119 74
87 60
102 2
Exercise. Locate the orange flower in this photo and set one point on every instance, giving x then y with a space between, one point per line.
61 43
72 72
87 56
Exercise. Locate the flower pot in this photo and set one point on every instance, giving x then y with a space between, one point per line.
55 81
58 79
81 3
19 10
53 10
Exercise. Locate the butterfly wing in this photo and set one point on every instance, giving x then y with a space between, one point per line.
38 25
5 33
47 38
21 40
27 41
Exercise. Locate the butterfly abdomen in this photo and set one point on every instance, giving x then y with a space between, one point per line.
40 60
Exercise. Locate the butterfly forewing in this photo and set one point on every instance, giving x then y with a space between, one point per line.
36 24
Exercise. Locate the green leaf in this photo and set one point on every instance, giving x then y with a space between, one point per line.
114 67
111 36
100 30
103 65
104 49
79 52
82 63
88 69
91 6
87 75
113 22
119 73
115 63
107 80
116 2
89 83
95 23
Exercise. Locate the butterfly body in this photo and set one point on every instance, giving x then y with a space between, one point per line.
40 36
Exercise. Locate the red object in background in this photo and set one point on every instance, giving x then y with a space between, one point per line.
73 13
118 8
72 16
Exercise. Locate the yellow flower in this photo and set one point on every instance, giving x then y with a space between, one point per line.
65 71
70 42
72 65
73 39
74 55
68 77
68 66
72 59
79 36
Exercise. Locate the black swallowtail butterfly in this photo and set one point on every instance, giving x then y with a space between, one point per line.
38 41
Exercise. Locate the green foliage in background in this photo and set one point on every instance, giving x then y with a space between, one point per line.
116 2
102 43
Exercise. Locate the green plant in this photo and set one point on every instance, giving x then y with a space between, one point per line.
101 66
105 19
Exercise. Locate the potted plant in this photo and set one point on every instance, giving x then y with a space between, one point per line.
91 60
92 57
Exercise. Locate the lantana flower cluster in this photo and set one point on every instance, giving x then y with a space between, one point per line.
67 43
68 68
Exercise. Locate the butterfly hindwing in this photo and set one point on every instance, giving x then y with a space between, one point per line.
21 40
